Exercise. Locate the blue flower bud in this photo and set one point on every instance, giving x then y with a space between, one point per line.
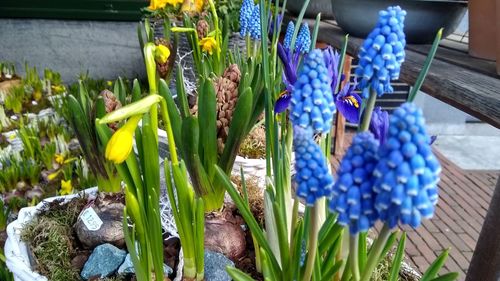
312 103
245 15
408 172
254 25
288 35
312 173
386 40
303 43
352 196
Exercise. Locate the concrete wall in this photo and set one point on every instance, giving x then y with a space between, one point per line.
105 49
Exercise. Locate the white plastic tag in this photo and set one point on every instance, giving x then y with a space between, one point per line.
91 219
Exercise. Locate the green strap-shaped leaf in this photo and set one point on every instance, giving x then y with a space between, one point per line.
182 100
451 276
136 91
238 275
207 115
434 268
173 112
398 259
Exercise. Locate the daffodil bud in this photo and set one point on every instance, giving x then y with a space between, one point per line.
120 144
133 210
136 108
162 53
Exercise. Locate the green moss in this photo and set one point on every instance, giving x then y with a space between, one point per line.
50 238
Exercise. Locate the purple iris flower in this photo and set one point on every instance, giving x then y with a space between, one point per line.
379 124
348 103
271 24
290 62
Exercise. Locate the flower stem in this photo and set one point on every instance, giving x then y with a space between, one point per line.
375 251
170 134
353 252
313 241
367 116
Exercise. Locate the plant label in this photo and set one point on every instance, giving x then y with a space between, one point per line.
91 219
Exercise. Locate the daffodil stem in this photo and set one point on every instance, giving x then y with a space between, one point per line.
367 115
353 252
313 242
170 134
375 252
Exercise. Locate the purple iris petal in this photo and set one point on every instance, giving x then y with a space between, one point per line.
379 124
283 102
349 104
271 23
289 64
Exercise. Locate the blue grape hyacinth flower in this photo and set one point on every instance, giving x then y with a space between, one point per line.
382 53
303 44
245 15
254 26
352 195
313 176
287 41
408 171
312 102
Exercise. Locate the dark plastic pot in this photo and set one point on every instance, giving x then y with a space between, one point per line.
423 19
315 6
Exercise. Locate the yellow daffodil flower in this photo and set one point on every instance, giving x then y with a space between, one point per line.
37 95
58 89
157 4
53 176
59 159
120 144
208 44
193 6
162 53
66 187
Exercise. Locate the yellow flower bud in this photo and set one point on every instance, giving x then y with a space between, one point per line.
59 159
208 44
162 53
120 144
66 187
53 176
157 4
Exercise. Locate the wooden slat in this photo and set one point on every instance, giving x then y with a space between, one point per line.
474 93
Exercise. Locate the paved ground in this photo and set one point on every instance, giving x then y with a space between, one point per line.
464 200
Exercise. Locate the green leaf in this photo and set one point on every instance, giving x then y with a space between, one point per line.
136 91
362 255
451 276
315 31
247 215
182 100
199 235
238 275
207 106
425 68
173 112
327 276
434 268
398 259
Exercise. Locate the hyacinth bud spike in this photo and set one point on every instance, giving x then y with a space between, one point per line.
254 25
387 40
412 175
288 35
303 44
312 101
245 15
313 177
353 197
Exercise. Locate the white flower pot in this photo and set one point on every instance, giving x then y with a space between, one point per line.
16 251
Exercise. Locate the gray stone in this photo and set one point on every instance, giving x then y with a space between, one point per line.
215 266
111 230
127 267
103 262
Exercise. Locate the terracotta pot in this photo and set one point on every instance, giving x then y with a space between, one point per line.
483 18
